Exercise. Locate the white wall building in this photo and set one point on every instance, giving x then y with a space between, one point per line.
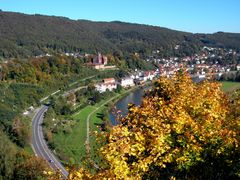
238 67
101 87
108 83
127 82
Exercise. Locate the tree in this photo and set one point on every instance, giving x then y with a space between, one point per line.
31 167
80 95
96 97
21 132
65 110
71 98
182 130
118 89
7 157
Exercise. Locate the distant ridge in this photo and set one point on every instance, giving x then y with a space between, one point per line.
24 35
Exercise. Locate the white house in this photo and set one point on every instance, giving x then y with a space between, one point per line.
127 82
102 87
238 67
108 83
201 76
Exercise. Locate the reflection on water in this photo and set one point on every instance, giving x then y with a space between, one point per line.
122 105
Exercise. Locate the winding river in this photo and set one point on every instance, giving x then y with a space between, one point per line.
134 97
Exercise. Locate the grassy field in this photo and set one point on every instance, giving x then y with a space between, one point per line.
72 146
228 86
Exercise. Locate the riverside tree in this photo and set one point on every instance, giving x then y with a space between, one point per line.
181 130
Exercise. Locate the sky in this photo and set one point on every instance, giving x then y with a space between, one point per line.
197 16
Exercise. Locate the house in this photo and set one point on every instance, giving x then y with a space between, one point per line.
148 75
127 82
102 87
109 80
135 76
238 67
108 83
201 76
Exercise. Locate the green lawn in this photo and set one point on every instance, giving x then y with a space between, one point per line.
72 145
94 124
229 86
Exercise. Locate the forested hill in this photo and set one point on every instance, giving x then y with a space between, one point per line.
28 35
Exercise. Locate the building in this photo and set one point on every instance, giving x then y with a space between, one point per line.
101 87
100 59
108 83
127 82
148 75
109 80
98 62
238 67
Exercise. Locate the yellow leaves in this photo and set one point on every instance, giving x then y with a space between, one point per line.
120 168
178 122
79 174
47 172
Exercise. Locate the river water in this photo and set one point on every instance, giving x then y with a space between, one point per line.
134 97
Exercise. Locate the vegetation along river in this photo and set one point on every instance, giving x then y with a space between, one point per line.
134 97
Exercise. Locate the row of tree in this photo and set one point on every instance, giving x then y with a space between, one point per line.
231 76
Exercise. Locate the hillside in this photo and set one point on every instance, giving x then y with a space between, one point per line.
220 39
28 35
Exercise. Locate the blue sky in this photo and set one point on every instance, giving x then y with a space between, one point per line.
206 16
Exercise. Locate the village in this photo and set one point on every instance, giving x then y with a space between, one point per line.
209 63
136 78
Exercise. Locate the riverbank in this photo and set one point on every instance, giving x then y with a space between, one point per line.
71 147
111 105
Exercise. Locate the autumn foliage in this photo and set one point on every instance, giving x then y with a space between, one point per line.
182 130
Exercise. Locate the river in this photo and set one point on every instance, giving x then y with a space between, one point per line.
134 97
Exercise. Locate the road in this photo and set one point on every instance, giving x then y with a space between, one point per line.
64 94
73 90
39 144
43 99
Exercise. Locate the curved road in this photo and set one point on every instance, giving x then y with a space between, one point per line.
39 144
